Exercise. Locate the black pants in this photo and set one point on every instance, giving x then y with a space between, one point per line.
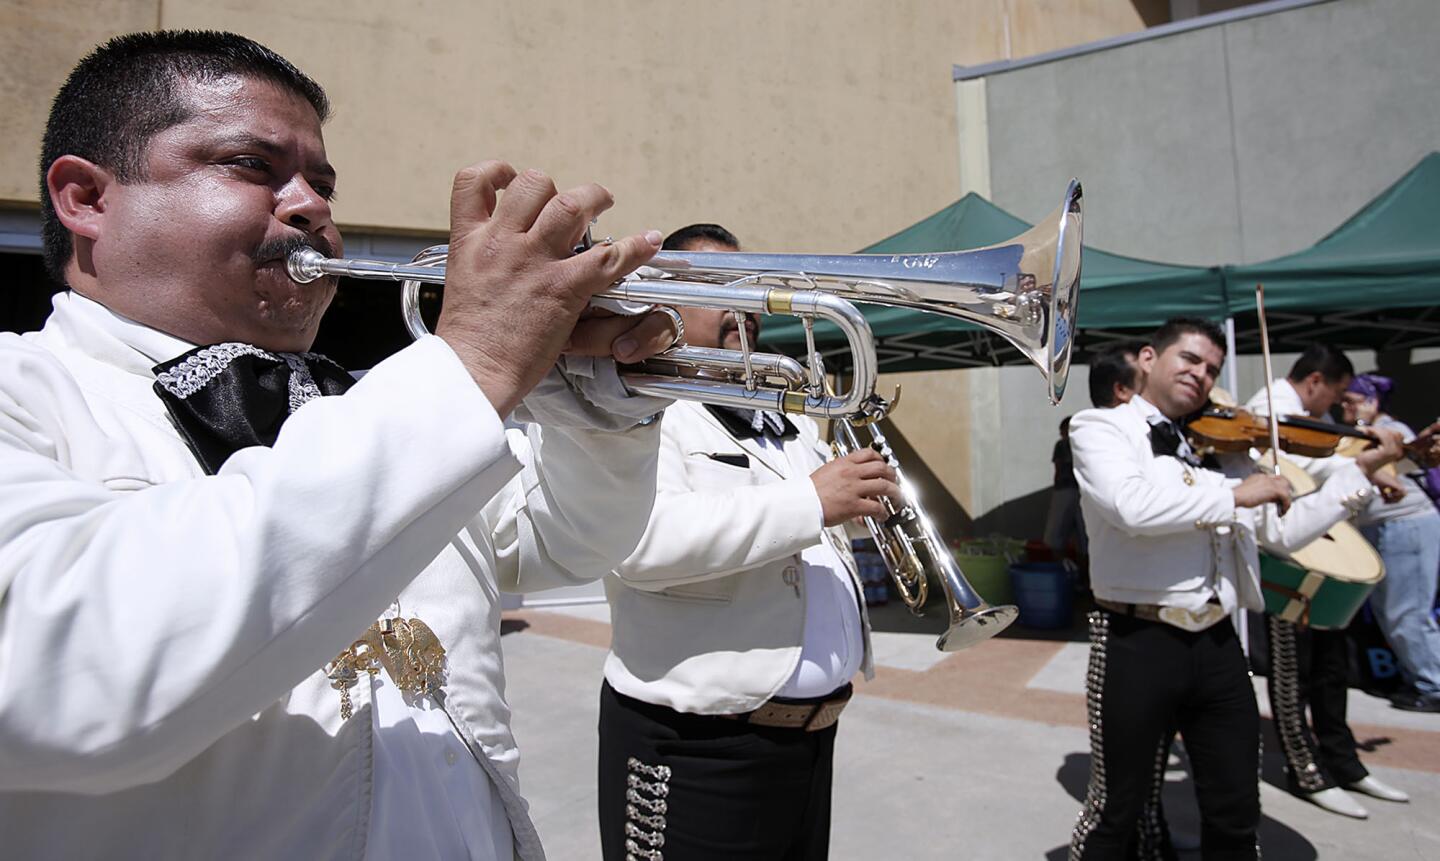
695 787
1145 679
1308 668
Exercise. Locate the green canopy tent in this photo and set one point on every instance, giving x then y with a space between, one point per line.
1349 287
1373 283
1116 292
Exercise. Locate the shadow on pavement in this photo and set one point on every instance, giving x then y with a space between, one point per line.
1277 840
895 617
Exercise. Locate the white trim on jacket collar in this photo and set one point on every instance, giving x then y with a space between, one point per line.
1145 408
137 348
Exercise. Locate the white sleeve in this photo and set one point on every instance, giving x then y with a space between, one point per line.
578 508
1114 480
138 627
1321 468
1312 514
702 534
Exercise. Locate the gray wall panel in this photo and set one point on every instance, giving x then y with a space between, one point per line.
1332 104
1148 143
1232 143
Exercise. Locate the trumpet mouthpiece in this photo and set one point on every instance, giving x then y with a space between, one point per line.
303 265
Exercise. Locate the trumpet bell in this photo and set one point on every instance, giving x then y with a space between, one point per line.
977 626
1025 290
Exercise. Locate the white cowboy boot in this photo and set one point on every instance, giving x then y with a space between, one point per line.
1377 789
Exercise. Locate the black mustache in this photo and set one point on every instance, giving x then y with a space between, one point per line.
281 249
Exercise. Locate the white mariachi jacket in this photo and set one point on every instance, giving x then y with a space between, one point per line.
163 633
708 613
1162 532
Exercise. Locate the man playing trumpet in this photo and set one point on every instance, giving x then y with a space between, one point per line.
239 618
737 626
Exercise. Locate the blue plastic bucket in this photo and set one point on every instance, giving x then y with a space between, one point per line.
1043 593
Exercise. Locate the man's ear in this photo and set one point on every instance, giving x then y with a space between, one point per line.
1145 358
77 192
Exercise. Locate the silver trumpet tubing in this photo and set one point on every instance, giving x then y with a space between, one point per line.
1024 290
911 546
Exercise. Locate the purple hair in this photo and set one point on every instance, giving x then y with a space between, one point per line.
1373 387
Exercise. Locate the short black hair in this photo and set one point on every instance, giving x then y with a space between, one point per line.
1171 331
1115 365
1332 364
128 90
693 233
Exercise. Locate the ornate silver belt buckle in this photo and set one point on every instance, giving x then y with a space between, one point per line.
1190 620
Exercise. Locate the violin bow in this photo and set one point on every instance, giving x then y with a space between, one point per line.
1269 398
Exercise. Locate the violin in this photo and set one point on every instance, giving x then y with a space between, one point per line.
1224 429
1227 428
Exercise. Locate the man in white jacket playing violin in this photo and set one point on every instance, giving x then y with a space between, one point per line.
1174 550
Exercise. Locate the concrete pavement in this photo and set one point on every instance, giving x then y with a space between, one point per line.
981 754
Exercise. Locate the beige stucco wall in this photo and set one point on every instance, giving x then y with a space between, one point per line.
39 42
814 124
803 125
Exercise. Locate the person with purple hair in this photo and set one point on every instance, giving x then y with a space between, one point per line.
1406 532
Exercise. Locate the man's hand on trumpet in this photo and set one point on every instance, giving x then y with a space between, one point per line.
622 338
515 289
851 486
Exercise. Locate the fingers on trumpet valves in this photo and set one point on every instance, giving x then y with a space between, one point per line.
474 193
611 260
883 489
624 338
566 216
525 198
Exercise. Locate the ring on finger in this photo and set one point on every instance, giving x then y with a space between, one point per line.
676 321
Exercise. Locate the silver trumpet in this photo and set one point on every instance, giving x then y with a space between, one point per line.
1024 290
911 546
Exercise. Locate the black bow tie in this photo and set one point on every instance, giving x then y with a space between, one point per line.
1166 441
754 424
227 397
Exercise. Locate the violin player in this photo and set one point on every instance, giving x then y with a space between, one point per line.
1309 666
1174 550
